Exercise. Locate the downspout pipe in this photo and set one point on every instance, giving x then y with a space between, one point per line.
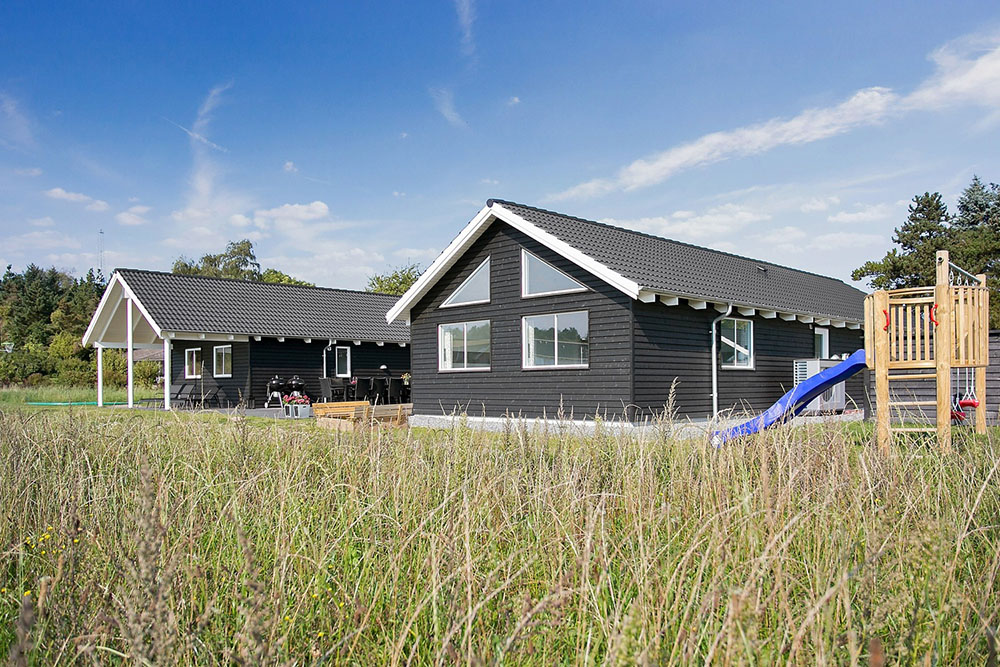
715 360
325 350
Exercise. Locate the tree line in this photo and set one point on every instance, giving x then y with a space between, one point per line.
45 312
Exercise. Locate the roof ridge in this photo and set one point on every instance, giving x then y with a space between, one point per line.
254 282
489 202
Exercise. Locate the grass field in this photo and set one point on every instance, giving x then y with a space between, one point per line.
169 538
58 394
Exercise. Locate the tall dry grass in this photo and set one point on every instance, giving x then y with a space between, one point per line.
160 538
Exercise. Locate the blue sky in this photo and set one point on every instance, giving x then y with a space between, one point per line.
347 138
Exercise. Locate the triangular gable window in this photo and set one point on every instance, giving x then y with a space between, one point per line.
475 289
539 278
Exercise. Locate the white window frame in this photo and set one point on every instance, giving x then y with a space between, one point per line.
826 340
336 358
188 374
524 278
555 329
215 361
489 291
465 344
752 351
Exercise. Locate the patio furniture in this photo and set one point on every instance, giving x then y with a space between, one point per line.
203 400
395 390
363 389
325 390
339 388
380 390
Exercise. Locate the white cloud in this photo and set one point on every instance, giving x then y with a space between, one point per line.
134 215
396 193
403 135
444 102
843 240
489 181
78 198
863 213
48 239
466 12
297 212
290 167
782 235
42 222
28 171
815 204
687 226
967 73
513 101
15 126
416 255
865 107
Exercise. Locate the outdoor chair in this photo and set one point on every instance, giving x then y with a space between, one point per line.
203 400
325 390
182 397
395 390
338 388
381 390
363 389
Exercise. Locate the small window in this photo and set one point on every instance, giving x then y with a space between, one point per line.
192 363
223 361
821 343
737 343
539 278
475 289
343 363
464 346
560 340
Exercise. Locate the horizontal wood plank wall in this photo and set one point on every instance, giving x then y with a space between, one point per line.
925 390
268 358
605 387
230 389
674 342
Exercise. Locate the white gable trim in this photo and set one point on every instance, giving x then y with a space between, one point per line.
472 231
89 337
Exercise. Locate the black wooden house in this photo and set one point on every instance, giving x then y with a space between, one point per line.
227 338
533 313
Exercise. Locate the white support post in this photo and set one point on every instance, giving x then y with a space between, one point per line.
166 373
129 356
100 376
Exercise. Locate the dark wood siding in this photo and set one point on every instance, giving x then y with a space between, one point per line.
268 358
230 389
674 342
603 388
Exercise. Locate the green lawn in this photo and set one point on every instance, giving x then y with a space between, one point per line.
57 394
182 538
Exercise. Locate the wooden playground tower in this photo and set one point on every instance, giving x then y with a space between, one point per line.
923 333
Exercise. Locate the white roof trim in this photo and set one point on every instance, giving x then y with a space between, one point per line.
474 229
127 293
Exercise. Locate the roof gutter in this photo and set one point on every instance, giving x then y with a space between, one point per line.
715 360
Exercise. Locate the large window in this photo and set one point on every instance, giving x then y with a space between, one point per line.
539 278
560 340
464 346
475 289
223 361
343 363
737 343
192 363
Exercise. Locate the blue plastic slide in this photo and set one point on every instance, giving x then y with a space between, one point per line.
796 400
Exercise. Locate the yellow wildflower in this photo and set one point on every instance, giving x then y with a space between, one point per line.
320 634
27 593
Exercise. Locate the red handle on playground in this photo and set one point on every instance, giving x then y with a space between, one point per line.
886 327
934 310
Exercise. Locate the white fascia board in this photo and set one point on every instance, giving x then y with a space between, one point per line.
88 336
613 278
443 262
196 335
839 324
474 229
142 309
806 319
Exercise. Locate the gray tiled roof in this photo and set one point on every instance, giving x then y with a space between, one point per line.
219 305
662 265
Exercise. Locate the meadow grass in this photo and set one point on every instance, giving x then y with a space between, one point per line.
60 394
166 538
